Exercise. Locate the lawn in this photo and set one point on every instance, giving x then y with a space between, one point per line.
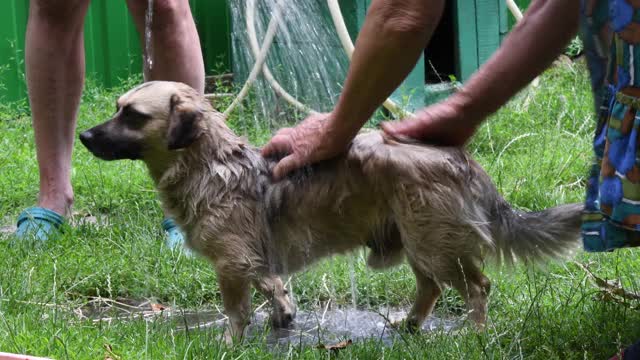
537 149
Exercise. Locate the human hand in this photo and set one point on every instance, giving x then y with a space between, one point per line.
444 123
309 142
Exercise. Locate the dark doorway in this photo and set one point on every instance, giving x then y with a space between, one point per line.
440 52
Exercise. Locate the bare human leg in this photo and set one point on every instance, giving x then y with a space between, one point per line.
55 71
177 54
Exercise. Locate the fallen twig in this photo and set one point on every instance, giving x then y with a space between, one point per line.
612 287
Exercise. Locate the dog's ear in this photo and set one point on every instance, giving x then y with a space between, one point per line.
184 124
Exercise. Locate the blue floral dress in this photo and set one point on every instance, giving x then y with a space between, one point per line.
610 30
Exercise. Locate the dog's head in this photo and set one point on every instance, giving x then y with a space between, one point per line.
156 118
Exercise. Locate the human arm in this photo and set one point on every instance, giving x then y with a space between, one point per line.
531 47
390 42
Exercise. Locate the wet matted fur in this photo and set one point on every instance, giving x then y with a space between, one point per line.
434 206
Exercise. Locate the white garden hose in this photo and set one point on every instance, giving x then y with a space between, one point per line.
261 56
517 14
253 41
260 59
515 10
341 28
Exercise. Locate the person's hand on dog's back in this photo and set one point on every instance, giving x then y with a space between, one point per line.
309 142
391 27
445 123
313 140
530 48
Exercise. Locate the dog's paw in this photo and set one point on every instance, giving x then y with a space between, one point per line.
230 338
283 317
284 311
234 334
406 326
282 321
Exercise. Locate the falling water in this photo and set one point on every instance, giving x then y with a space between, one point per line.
306 58
352 275
148 44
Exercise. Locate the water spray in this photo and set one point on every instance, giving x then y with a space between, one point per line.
261 56
253 41
148 41
260 59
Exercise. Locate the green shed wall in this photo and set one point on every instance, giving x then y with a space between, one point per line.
480 25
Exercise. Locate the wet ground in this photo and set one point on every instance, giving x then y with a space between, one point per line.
333 326
311 327
322 326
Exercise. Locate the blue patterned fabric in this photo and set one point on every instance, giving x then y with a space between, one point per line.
610 30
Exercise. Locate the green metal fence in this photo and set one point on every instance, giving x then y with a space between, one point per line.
12 30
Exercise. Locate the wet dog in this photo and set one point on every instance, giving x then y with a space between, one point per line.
433 206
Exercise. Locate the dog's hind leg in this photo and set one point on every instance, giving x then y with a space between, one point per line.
236 298
433 247
284 311
474 287
427 293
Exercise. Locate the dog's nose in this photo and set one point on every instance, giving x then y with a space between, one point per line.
86 137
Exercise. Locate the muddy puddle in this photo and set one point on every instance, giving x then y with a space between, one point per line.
333 326
311 327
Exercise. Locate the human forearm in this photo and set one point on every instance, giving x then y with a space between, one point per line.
530 48
527 51
390 42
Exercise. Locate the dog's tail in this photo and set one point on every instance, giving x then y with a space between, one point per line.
534 236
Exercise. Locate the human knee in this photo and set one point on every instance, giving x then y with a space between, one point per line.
169 12
65 14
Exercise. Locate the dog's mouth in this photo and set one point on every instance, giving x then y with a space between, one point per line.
107 148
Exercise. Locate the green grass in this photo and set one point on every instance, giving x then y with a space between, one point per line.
537 150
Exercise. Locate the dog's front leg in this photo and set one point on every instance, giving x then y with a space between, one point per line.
237 304
284 311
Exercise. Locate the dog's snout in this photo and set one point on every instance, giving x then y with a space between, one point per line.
86 137
110 143
92 139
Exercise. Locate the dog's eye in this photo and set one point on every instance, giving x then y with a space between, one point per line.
133 118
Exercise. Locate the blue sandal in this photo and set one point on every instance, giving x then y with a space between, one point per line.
39 223
174 236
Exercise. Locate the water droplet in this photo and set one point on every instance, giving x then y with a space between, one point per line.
148 42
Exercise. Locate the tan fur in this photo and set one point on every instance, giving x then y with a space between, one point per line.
434 206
